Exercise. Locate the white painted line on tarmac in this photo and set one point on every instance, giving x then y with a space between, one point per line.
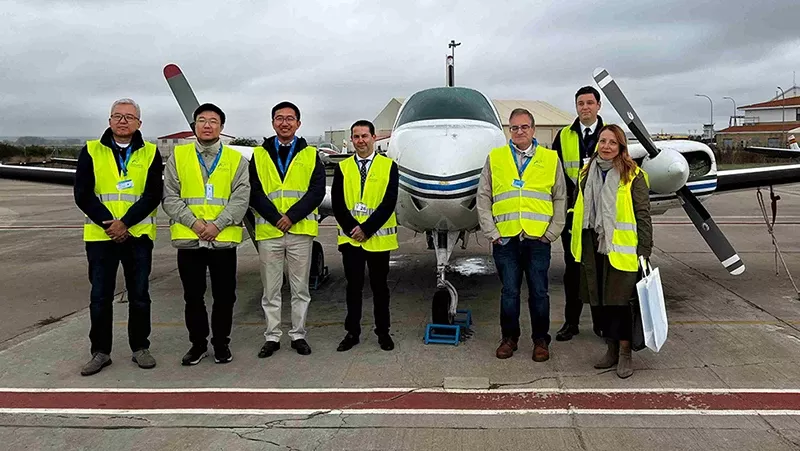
401 390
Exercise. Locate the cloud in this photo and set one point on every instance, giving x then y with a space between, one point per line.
65 62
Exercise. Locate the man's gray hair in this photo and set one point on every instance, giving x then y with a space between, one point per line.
520 112
127 101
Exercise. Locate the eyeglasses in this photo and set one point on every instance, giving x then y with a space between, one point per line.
201 121
127 117
516 128
287 119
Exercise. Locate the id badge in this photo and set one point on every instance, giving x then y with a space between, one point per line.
361 208
209 191
586 161
518 183
124 184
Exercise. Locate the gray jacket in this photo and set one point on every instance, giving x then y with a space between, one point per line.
179 212
484 202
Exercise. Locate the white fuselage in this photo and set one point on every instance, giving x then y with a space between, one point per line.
440 162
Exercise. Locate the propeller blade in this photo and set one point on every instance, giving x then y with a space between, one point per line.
700 217
182 91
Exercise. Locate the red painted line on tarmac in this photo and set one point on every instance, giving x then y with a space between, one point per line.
398 401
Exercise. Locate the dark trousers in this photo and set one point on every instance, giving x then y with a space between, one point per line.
572 281
136 256
354 259
616 321
221 265
531 258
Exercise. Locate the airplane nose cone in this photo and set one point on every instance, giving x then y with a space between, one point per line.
668 171
679 170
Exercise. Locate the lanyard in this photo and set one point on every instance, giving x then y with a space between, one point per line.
123 164
283 165
213 165
521 170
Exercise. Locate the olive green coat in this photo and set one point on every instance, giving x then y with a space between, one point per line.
601 283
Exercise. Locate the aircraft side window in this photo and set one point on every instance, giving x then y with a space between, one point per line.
447 103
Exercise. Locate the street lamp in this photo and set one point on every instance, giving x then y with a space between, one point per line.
711 123
734 109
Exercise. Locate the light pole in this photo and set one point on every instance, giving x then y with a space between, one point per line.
711 124
734 109
783 114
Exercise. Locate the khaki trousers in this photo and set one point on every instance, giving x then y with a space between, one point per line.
291 253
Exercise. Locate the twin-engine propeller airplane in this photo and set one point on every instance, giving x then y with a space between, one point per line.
441 138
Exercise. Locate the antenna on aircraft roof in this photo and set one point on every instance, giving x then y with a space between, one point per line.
450 79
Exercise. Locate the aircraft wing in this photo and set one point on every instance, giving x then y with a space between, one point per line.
775 152
741 179
38 174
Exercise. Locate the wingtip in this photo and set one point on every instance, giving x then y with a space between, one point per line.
171 70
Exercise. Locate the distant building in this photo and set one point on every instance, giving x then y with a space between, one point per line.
765 124
167 143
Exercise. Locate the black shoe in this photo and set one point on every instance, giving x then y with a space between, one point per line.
385 340
268 348
301 346
222 354
348 342
194 356
566 332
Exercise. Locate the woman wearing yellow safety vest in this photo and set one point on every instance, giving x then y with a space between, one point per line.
610 229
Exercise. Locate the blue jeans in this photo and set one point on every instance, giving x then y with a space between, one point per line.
136 256
531 257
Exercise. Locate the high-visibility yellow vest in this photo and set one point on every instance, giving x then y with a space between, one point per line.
285 193
107 177
570 152
361 206
530 207
624 241
193 191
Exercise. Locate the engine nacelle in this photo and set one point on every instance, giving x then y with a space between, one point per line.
668 171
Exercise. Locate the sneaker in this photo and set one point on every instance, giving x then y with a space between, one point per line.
194 356
507 347
268 348
385 340
144 359
348 342
98 362
301 346
222 354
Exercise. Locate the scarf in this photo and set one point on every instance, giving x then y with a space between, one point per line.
600 202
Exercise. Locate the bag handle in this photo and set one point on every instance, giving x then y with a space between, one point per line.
647 269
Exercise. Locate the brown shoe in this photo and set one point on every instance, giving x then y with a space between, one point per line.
507 347
540 351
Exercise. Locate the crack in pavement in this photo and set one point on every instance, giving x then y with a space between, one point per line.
777 432
244 436
508 384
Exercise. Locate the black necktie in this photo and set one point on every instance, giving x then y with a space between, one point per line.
586 132
363 173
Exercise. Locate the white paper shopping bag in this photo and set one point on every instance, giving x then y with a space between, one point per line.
651 304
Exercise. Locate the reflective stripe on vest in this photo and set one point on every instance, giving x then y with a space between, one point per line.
529 208
375 186
106 179
193 191
285 193
570 152
624 240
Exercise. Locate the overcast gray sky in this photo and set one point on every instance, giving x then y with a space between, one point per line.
64 62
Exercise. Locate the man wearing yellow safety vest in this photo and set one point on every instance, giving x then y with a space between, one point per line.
118 187
287 182
206 194
364 194
521 206
575 144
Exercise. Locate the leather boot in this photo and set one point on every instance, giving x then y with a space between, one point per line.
611 356
624 366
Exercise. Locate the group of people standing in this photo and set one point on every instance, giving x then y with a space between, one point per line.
587 190
206 191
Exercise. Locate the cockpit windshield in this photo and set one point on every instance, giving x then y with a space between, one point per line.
447 103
